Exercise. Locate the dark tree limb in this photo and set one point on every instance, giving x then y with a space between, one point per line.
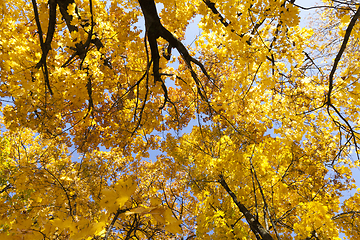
211 6
154 30
259 231
266 207
315 7
257 25
340 53
7 187
313 236
51 27
349 128
89 91
346 214
81 48
45 46
63 6
119 211
312 62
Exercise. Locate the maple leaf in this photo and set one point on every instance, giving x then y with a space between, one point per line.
115 123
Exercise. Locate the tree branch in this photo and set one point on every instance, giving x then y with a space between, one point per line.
340 53
345 214
154 30
81 48
259 231
45 47
6 188
119 211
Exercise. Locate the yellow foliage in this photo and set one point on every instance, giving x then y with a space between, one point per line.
179 119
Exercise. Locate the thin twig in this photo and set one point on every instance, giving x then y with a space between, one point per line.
118 212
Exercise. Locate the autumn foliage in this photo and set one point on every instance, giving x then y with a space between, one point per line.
116 125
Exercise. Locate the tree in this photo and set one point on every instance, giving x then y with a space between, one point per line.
256 127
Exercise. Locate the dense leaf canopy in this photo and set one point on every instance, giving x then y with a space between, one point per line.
117 125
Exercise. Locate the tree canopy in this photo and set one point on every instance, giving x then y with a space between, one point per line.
117 126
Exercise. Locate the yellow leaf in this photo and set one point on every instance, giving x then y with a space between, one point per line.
158 210
174 227
169 217
98 228
159 218
139 210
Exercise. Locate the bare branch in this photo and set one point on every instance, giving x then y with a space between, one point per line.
346 214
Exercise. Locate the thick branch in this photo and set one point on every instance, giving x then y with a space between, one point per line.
154 30
212 7
51 27
259 231
45 47
340 53
63 5
264 200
